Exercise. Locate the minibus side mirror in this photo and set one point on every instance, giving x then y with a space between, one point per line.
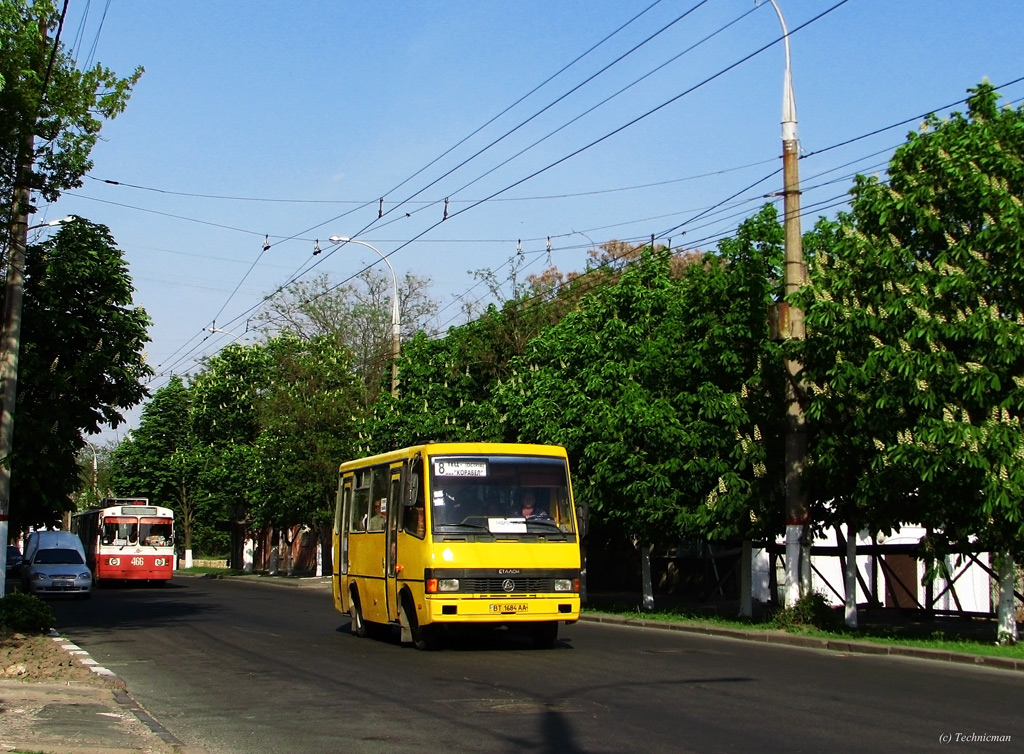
412 489
582 518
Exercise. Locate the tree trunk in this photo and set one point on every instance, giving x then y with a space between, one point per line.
289 566
746 580
248 554
850 577
645 571
1007 616
793 551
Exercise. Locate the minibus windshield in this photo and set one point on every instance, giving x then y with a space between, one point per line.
502 494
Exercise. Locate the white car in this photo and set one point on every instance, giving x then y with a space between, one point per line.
57 570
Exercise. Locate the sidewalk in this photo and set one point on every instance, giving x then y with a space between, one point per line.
94 715
75 719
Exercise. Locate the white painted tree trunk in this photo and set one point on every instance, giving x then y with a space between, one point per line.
850 578
791 589
645 570
188 558
275 555
248 555
1006 632
806 576
747 580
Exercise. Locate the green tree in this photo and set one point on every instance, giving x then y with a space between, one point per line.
50 118
51 112
226 425
81 363
159 461
916 351
448 383
308 427
356 315
659 388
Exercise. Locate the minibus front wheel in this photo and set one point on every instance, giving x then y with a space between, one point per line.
358 626
424 638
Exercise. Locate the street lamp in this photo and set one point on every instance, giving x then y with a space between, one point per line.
214 329
52 223
396 320
791 325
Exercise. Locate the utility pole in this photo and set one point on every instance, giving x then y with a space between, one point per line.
791 323
14 295
11 342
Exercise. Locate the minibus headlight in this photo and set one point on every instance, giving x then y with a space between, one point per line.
447 585
563 585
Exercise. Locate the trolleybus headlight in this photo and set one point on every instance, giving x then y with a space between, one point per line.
563 585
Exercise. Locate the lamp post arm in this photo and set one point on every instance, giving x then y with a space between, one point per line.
396 316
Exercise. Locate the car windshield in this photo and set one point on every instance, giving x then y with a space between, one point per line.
58 557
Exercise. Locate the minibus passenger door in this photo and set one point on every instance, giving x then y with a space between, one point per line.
391 543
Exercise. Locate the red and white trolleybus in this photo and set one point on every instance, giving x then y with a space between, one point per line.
127 538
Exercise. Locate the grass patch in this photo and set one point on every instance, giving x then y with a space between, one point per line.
910 633
205 570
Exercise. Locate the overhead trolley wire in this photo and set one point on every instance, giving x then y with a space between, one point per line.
494 196
494 142
617 93
301 271
591 144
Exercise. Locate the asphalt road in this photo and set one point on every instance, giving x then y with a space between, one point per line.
238 666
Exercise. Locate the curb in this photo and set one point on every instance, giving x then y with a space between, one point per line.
83 658
120 691
813 642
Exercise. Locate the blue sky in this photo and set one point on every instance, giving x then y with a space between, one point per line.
290 121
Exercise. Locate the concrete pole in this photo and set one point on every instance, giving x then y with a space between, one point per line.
396 337
792 327
11 343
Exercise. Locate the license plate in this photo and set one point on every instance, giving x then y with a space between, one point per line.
63 584
510 608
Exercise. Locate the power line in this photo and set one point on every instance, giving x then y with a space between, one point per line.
300 271
834 146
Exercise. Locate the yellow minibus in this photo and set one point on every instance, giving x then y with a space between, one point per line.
444 534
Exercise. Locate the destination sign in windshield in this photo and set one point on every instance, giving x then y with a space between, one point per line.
452 467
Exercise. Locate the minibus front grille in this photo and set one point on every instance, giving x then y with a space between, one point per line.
507 585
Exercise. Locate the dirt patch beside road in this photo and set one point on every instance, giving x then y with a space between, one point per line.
26 657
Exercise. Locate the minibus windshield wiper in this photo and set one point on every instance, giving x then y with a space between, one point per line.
463 525
545 521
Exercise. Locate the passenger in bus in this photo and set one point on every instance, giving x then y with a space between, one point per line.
452 512
377 520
